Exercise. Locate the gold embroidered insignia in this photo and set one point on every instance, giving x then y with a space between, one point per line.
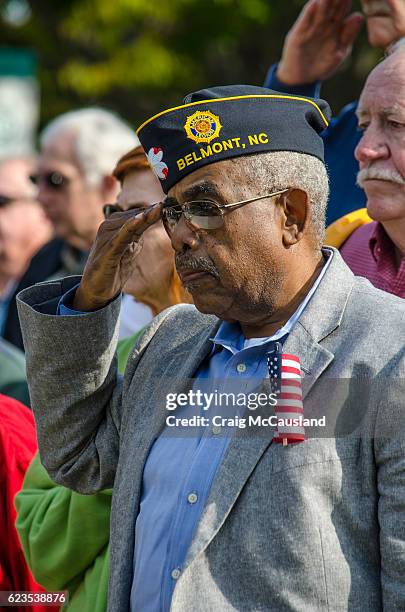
203 126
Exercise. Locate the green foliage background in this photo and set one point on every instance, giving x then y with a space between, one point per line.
139 56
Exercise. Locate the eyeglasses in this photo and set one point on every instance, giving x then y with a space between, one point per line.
4 200
204 214
53 180
110 209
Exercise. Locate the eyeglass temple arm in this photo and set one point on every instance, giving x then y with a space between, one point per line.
269 195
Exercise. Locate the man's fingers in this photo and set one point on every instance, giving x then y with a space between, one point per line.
350 30
307 15
341 10
133 229
327 9
117 219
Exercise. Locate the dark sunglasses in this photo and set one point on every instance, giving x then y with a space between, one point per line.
205 214
5 200
53 180
110 209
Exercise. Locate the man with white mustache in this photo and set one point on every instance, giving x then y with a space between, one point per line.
319 41
376 250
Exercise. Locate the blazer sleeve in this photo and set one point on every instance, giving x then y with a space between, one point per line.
74 386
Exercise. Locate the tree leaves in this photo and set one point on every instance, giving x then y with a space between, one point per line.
138 56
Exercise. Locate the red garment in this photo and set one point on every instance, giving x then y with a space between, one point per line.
369 252
17 447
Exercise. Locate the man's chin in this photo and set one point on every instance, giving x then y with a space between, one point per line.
384 207
208 302
199 283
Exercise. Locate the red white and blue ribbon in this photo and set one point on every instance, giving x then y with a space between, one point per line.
285 380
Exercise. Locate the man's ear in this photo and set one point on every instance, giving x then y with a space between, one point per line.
295 212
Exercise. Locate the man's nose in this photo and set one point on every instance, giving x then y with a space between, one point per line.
45 195
183 237
372 146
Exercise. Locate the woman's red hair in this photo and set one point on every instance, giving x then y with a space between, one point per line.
132 161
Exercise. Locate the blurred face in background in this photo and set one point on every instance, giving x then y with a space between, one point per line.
73 207
381 150
152 279
385 21
23 225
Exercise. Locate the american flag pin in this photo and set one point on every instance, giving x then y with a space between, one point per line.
285 381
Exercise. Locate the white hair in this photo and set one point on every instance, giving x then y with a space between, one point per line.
101 139
277 170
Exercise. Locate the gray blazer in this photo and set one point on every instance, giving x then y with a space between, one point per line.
314 526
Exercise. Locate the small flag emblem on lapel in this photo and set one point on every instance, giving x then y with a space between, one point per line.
285 381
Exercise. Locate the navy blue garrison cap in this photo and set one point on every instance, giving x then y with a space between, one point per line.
223 122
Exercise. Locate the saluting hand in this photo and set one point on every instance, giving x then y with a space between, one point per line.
319 41
110 263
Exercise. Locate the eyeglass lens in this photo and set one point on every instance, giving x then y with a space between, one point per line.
202 214
54 180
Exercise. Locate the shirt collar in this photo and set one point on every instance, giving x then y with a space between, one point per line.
229 335
379 243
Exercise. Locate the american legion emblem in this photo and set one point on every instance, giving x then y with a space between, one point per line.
203 126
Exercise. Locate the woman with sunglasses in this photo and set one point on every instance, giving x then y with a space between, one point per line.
65 535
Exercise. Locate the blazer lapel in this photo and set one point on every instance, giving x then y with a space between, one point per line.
177 371
313 357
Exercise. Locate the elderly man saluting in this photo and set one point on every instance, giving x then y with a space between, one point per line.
231 520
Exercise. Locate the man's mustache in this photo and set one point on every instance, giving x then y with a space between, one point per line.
201 264
377 7
379 174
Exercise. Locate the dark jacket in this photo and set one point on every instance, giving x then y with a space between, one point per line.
13 380
43 265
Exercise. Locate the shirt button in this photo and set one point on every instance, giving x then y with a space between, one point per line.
176 573
216 429
192 498
241 367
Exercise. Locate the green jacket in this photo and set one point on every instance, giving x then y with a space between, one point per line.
65 535
13 380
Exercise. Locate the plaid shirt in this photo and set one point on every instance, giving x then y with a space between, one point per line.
370 252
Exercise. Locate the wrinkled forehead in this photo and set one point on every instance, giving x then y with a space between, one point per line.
385 86
61 149
221 180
